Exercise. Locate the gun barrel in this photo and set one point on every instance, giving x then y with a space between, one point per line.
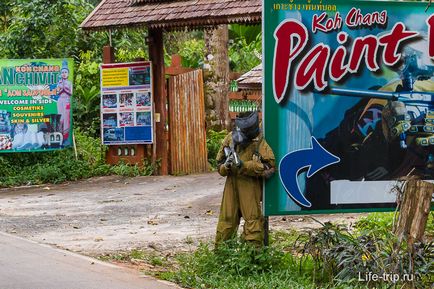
227 151
365 93
236 159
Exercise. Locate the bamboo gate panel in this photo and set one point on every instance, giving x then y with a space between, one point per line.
187 131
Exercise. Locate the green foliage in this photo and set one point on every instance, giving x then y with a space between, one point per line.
236 264
192 53
188 44
87 69
39 168
137 255
50 29
244 55
340 256
87 94
87 109
328 257
214 140
145 169
383 222
245 47
5 15
129 55
375 221
59 166
130 45
90 149
249 32
42 29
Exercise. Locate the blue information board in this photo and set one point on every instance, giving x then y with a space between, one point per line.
126 103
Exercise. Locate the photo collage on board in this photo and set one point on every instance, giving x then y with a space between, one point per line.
125 109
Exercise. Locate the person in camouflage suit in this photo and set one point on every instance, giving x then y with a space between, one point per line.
245 159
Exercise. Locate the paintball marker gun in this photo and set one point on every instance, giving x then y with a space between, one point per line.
418 106
231 157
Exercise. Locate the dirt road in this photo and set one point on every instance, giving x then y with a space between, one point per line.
109 214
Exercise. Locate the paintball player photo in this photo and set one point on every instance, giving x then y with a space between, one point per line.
364 127
388 134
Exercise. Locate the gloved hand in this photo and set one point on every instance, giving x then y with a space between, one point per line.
236 167
229 161
268 173
257 158
426 137
396 120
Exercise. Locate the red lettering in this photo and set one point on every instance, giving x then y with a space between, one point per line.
351 18
430 22
291 37
383 17
338 69
355 18
367 46
313 68
316 22
391 42
330 24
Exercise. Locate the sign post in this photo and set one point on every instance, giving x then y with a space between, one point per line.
348 102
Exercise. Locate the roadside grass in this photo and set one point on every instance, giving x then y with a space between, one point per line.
327 257
59 166
384 221
236 264
137 256
37 168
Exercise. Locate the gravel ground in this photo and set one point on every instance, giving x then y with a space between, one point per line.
110 214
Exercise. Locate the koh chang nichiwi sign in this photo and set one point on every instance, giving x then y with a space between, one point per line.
35 104
348 102
126 103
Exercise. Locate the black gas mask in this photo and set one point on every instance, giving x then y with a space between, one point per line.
246 128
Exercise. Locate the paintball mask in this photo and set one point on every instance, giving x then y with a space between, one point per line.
246 128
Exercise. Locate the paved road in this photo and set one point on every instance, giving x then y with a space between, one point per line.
27 265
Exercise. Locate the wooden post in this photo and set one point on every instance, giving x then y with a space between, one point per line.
176 67
108 54
414 211
266 231
156 55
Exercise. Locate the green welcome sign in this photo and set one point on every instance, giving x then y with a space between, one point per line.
35 105
348 102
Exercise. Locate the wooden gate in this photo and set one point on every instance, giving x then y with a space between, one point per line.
187 131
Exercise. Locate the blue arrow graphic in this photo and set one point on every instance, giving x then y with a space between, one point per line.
316 158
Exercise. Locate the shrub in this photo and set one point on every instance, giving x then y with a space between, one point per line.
328 257
236 264
214 141
340 256
63 165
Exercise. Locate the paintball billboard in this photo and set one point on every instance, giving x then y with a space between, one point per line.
126 103
348 102
35 105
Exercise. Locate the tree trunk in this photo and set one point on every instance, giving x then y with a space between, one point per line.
414 211
217 77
